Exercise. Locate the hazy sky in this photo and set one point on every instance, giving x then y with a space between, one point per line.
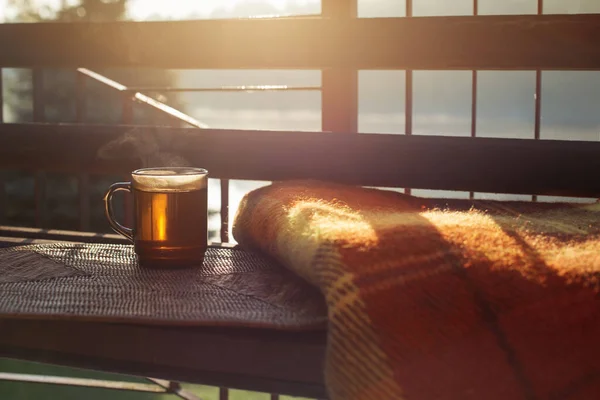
178 9
181 9
142 9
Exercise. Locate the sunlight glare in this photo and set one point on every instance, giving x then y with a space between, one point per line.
181 9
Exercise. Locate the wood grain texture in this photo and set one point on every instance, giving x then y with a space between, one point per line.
548 167
556 42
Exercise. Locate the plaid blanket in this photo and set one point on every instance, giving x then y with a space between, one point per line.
488 300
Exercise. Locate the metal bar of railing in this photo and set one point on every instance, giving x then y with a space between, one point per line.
538 94
38 110
538 104
474 94
1 96
408 105
83 178
408 86
244 88
127 119
40 199
39 115
408 92
225 210
83 186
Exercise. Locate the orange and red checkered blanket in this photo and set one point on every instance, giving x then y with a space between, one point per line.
495 300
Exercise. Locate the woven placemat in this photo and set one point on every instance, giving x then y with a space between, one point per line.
105 282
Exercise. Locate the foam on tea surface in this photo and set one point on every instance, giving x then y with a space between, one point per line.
169 179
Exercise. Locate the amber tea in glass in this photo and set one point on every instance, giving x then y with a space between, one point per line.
170 215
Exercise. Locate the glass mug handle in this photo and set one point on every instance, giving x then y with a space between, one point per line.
109 212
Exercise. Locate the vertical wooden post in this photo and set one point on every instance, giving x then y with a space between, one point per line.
339 85
39 115
83 178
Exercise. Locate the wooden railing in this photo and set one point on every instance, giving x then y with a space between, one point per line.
339 44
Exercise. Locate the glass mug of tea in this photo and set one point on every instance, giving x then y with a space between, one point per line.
170 215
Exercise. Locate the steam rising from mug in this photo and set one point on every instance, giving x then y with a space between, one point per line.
149 145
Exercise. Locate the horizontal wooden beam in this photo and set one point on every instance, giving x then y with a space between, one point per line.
251 359
549 167
23 234
558 42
